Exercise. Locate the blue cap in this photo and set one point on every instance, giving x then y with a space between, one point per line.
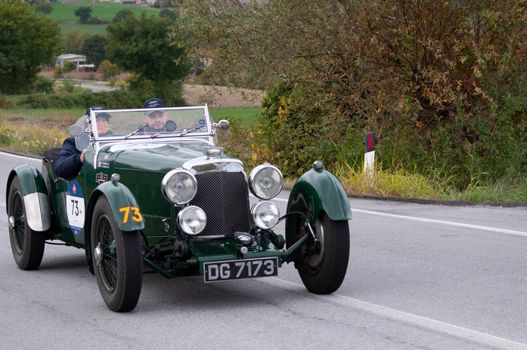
102 115
154 103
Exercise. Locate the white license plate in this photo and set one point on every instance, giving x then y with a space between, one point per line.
237 269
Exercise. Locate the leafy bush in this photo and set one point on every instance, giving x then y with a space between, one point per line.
442 83
108 70
44 8
43 85
122 14
69 66
5 102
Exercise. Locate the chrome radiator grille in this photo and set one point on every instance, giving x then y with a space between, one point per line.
225 199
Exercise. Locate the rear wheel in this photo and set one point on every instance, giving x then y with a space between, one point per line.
27 245
323 264
117 260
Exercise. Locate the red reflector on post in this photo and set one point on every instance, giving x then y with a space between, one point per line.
370 141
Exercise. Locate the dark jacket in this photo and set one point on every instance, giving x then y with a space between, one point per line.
68 163
148 129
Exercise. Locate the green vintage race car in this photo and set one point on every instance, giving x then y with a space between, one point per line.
172 202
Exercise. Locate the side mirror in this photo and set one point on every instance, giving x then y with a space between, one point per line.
222 124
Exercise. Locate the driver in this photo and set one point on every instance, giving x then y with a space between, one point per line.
157 119
69 161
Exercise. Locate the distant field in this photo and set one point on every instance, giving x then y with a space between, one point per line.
64 14
246 115
92 29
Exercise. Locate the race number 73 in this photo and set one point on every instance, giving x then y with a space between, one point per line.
136 215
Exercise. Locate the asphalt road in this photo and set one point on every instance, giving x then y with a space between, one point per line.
419 277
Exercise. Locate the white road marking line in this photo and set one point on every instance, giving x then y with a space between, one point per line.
20 156
448 223
435 221
405 317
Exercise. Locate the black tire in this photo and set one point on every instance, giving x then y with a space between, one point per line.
322 270
119 270
27 245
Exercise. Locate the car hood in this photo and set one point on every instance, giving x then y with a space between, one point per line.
162 157
154 156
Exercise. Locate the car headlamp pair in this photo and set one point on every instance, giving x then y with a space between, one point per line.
265 182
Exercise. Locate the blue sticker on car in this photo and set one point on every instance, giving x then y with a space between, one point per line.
75 207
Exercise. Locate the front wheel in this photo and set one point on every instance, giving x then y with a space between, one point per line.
323 265
27 245
117 260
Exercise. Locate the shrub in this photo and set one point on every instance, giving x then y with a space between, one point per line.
44 8
43 85
109 99
69 67
5 102
108 70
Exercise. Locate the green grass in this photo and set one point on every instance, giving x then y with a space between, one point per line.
247 116
40 114
63 13
92 29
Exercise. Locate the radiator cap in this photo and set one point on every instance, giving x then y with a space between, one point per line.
214 152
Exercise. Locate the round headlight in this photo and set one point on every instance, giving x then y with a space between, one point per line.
265 214
265 181
179 186
192 220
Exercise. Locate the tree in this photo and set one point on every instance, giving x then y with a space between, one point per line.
84 13
142 45
95 49
27 40
44 7
168 13
122 14
442 82
75 41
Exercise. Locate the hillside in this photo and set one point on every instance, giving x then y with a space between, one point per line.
63 13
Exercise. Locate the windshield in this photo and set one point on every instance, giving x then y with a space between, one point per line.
113 124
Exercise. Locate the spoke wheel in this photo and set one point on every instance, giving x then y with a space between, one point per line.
27 245
117 260
108 262
323 264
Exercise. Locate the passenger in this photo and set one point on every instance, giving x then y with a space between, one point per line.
156 120
103 124
69 161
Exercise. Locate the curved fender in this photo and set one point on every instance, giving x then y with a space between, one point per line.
124 206
315 191
35 194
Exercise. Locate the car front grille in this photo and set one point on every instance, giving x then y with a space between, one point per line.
225 199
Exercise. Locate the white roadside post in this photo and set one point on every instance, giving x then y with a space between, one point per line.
369 158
